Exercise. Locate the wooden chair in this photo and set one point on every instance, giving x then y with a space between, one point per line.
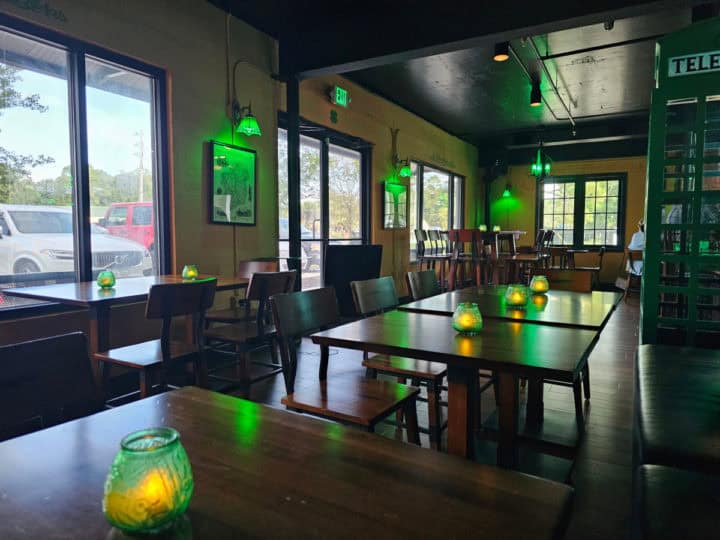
504 247
466 250
435 253
634 273
242 310
358 401
152 359
422 284
421 246
376 296
594 270
45 382
259 332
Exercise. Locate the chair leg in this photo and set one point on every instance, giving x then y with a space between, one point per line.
411 422
579 414
434 415
399 412
586 381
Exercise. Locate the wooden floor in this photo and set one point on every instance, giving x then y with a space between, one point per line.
602 472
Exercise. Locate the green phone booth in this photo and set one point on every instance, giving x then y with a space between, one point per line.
681 274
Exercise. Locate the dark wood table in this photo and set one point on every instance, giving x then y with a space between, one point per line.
511 349
267 473
88 295
563 308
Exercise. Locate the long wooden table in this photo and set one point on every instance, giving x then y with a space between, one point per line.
87 294
511 349
563 308
267 473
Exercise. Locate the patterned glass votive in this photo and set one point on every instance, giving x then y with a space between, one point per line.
516 296
106 279
190 272
539 284
467 319
150 482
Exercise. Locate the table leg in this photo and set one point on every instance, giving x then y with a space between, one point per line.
324 356
462 393
535 405
99 338
507 412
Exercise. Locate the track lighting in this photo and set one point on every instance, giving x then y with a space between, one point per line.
535 93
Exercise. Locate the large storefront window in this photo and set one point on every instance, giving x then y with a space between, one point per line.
59 142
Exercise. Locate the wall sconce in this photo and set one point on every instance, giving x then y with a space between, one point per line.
402 166
241 116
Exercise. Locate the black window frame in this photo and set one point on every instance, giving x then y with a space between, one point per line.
77 51
580 180
419 174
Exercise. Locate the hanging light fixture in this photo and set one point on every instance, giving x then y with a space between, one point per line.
246 122
540 168
506 194
502 51
535 92
405 170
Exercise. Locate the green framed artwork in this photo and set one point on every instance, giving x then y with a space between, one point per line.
395 206
233 188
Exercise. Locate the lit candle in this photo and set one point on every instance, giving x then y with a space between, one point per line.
190 272
540 301
483 228
496 228
539 284
106 279
150 482
467 319
516 296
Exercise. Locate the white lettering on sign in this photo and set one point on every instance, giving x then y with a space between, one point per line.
692 64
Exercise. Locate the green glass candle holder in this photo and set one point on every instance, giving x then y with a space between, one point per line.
516 296
539 284
540 301
190 272
150 482
496 228
483 228
467 319
106 279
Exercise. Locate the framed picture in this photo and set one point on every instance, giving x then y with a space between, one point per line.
395 206
233 189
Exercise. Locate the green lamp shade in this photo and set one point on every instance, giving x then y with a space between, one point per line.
106 279
150 482
190 272
395 188
467 319
506 193
249 126
539 284
516 296
405 171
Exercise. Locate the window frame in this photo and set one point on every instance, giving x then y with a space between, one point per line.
579 180
419 196
77 51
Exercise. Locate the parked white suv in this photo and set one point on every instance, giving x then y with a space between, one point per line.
40 239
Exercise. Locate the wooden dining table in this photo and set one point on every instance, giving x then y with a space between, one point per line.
87 294
261 472
511 349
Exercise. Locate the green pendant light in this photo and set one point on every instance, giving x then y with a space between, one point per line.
405 170
249 126
506 194
540 168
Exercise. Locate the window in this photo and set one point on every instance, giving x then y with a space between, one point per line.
436 200
81 133
584 212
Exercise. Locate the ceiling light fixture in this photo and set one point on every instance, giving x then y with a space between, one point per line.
502 51
540 168
535 92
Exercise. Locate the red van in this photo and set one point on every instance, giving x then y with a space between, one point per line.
134 221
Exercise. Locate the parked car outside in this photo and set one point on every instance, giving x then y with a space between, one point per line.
132 220
40 239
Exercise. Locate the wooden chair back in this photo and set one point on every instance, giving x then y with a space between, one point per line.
297 314
434 241
45 382
374 295
264 285
444 242
548 240
422 284
420 241
633 256
169 300
505 243
248 268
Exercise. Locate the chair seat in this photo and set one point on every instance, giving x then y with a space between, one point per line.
678 407
352 400
675 503
407 367
146 354
242 332
587 268
237 314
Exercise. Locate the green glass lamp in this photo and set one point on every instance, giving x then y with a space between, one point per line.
467 319
405 170
106 279
190 272
516 296
539 284
150 482
506 193
249 125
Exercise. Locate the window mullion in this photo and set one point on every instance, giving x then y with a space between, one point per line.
579 229
79 165
420 189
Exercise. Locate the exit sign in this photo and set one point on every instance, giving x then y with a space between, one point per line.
339 96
